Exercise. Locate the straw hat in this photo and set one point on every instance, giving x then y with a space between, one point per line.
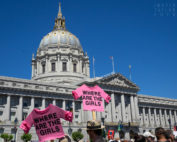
65 139
94 125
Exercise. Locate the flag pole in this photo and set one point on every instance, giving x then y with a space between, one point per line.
112 58
130 76
113 64
93 112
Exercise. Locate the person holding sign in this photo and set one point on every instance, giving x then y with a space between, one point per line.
92 97
47 122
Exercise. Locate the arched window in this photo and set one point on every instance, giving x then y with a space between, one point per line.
74 67
64 67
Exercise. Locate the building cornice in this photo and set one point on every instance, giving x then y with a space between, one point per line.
9 83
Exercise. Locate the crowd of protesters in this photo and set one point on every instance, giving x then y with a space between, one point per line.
94 130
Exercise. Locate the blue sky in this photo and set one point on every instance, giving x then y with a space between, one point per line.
142 33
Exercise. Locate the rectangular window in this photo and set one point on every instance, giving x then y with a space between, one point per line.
82 68
74 68
64 66
59 103
53 66
12 116
43 68
24 115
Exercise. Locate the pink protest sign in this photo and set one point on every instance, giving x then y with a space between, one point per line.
47 122
92 97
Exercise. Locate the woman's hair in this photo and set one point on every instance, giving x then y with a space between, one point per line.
159 131
169 134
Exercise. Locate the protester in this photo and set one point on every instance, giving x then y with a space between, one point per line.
94 130
65 139
161 134
170 136
149 136
140 138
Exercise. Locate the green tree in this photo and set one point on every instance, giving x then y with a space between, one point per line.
6 137
77 136
26 137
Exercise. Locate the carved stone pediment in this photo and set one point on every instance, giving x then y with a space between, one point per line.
117 80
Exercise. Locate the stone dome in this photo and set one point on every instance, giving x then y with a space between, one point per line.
60 58
60 38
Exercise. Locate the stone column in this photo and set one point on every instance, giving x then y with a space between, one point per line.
33 70
103 113
38 67
57 63
144 117
70 65
155 117
87 69
20 109
59 67
136 108
133 112
80 64
110 112
175 117
129 113
171 117
32 105
149 113
161 121
64 105
123 107
43 103
7 108
73 105
54 102
47 66
166 118
113 107
119 111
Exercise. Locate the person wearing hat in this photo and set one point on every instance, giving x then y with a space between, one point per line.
150 137
94 130
65 139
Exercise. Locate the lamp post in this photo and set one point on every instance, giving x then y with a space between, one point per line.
70 130
15 128
102 120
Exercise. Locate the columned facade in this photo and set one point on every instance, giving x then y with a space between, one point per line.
161 114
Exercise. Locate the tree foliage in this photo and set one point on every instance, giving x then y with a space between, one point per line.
6 137
77 136
26 137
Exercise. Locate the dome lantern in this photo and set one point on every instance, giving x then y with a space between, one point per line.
59 21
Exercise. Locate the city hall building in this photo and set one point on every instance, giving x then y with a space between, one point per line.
60 66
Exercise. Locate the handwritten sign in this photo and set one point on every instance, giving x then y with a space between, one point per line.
92 97
47 124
